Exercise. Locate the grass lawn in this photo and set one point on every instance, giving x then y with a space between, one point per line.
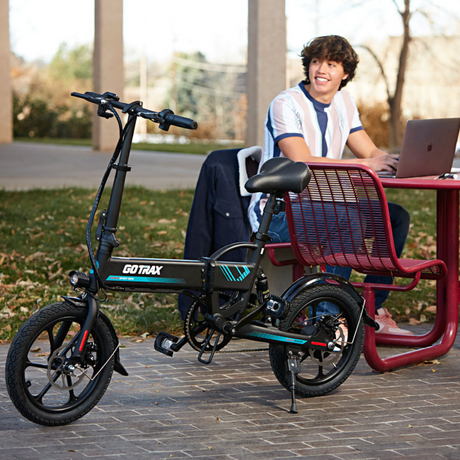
43 237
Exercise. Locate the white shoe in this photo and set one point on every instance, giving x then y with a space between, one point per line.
387 324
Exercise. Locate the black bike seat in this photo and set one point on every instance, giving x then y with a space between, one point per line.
280 174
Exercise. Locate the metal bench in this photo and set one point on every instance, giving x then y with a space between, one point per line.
342 218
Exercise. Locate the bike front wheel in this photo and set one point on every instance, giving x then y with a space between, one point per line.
321 371
42 385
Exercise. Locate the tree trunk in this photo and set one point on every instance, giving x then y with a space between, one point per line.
395 101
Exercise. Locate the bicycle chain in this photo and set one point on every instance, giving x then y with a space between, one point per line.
248 350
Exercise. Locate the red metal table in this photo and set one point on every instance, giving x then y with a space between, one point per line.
447 289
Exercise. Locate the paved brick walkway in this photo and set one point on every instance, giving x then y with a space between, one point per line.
235 409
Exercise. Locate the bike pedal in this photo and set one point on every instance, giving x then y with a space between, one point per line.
163 343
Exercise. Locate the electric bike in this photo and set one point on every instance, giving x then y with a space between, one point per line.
62 359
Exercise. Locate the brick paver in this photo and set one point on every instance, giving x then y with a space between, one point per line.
234 408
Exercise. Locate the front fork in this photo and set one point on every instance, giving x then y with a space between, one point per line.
106 245
93 309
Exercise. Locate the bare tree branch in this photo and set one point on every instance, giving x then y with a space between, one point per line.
381 68
397 6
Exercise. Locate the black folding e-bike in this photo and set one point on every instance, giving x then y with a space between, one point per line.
61 361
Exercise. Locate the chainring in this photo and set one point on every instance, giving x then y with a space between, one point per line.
197 329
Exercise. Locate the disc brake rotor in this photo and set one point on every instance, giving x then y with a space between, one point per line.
323 358
59 375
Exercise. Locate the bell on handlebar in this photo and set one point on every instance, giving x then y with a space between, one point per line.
103 112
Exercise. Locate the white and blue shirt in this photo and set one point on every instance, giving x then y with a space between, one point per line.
324 127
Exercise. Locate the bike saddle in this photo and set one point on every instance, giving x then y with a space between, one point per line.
280 174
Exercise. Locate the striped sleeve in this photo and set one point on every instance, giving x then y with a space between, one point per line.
284 118
352 112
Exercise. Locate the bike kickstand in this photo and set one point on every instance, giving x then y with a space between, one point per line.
203 348
294 369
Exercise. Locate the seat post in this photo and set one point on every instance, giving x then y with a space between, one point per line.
261 237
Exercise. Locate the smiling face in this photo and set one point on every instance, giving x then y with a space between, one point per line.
325 78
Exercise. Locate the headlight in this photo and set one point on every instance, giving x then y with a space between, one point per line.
78 279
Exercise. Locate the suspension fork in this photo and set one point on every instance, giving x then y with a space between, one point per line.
107 241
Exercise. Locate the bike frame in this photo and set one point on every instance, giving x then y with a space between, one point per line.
213 318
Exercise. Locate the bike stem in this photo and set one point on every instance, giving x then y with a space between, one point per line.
107 240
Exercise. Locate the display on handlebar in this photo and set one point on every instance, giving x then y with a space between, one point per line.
165 118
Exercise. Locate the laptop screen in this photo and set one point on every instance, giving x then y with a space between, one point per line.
428 147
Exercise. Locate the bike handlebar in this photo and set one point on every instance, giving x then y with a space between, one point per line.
165 118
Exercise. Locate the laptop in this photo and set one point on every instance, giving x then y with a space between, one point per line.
428 148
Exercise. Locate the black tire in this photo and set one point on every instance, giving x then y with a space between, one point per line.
321 372
37 388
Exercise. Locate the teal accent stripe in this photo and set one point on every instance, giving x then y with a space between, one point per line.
279 338
232 278
242 271
227 273
243 275
145 279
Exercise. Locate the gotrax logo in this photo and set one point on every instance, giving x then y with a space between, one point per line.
134 269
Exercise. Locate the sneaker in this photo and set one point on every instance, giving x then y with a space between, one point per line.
387 324
338 336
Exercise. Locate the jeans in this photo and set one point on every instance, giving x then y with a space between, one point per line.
400 220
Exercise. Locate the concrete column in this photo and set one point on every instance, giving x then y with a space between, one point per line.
6 105
107 66
267 50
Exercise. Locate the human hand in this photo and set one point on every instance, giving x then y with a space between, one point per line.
384 162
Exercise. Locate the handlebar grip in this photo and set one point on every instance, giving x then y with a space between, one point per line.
74 94
182 122
88 96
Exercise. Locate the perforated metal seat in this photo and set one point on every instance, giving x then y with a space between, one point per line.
342 218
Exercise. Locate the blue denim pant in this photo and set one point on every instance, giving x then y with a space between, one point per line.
400 220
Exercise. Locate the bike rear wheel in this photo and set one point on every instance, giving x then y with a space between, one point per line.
321 371
40 383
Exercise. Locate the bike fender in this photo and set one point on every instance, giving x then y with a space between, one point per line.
314 279
118 367
320 278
